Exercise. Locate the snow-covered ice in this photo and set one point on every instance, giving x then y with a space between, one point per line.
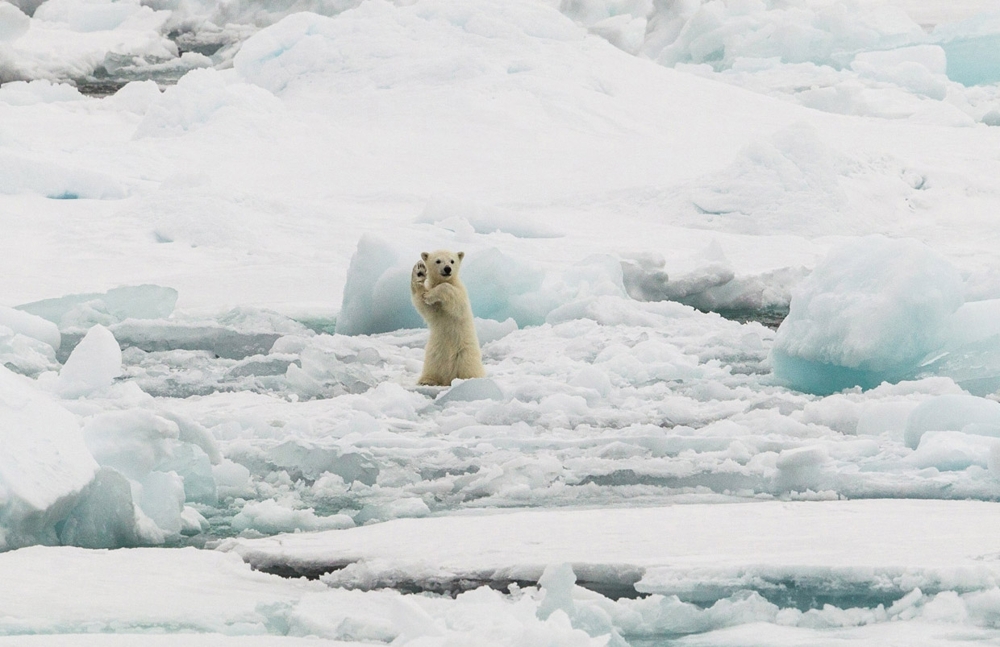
210 214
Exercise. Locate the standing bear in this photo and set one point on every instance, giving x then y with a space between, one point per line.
440 298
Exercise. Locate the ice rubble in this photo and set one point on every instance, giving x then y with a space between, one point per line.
837 56
871 59
610 399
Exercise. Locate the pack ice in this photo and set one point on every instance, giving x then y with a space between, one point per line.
636 468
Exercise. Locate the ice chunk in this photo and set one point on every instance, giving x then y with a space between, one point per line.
800 469
104 517
194 468
232 480
272 517
965 413
28 343
93 365
502 287
721 34
869 312
557 582
87 16
952 450
919 69
30 325
623 31
377 293
974 60
44 463
472 390
303 459
136 96
971 356
26 355
162 500
488 330
134 441
405 508
13 22
223 341
113 306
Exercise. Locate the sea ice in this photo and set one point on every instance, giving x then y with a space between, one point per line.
44 463
870 312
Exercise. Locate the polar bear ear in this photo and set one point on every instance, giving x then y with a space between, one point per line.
424 255
461 255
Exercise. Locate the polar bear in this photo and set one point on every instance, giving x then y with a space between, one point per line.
440 298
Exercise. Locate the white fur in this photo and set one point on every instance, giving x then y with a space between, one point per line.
440 298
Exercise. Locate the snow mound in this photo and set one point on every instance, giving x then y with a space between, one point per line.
44 463
403 45
772 183
78 312
467 215
870 312
51 180
199 97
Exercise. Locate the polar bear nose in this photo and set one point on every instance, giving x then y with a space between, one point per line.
446 270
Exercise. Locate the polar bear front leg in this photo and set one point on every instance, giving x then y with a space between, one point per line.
418 288
418 278
440 295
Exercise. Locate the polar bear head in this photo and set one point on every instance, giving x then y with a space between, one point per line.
442 265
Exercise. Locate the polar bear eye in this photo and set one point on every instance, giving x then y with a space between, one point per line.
438 261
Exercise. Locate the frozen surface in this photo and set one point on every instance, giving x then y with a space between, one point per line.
228 198
807 578
693 551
